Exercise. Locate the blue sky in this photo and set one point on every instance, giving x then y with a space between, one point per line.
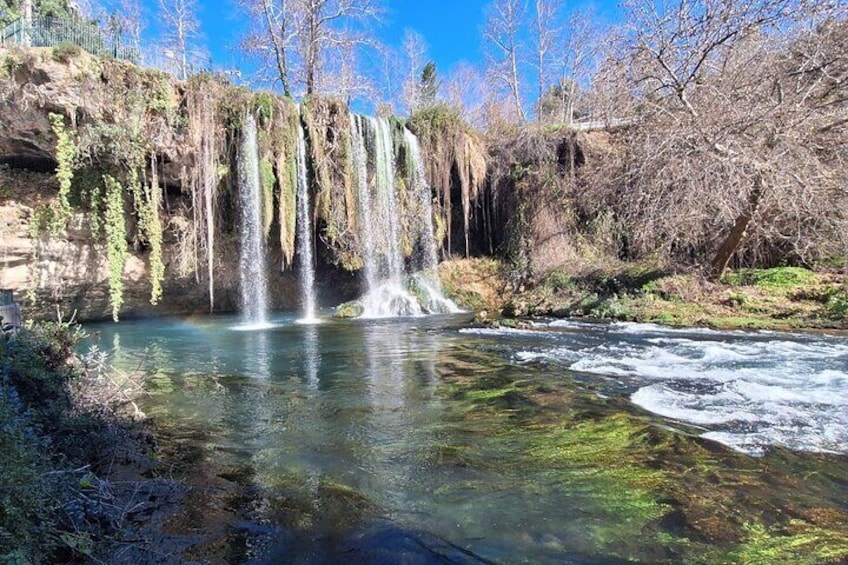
451 27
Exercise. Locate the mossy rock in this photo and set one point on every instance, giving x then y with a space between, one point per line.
353 309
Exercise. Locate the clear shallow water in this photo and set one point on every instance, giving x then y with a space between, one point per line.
749 390
565 443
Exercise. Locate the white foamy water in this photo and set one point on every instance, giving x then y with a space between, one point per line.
389 300
749 390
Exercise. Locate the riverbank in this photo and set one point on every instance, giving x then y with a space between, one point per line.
79 482
785 298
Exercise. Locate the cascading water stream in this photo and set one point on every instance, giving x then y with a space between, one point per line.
253 285
380 235
366 218
386 194
427 277
305 260
386 294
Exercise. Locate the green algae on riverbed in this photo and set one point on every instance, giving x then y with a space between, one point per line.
647 481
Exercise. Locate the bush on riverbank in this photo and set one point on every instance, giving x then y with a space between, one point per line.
778 298
54 435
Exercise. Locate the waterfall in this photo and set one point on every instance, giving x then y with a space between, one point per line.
366 218
253 284
389 290
427 278
305 261
429 259
387 197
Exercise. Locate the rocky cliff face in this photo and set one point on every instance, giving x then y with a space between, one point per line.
37 82
67 274
152 135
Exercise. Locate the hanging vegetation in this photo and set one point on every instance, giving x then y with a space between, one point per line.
116 242
65 156
283 130
327 125
146 201
451 147
205 141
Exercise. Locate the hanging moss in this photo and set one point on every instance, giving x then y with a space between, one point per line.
211 106
266 176
327 125
116 242
284 140
66 153
449 145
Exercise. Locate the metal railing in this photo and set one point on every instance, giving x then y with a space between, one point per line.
52 32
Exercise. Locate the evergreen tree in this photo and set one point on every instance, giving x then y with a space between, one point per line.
428 88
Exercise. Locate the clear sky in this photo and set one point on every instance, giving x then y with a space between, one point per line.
452 28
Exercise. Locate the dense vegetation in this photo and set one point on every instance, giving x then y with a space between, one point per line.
57 434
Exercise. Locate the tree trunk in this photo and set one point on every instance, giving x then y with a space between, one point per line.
516 90
279 47
27 22
311 51
737 233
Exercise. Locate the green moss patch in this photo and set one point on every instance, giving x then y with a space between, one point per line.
778 277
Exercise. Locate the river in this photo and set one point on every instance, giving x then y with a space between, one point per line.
428 440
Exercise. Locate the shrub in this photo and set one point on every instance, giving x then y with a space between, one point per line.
559 280
34 364
24 495
34 407
837 305
64 52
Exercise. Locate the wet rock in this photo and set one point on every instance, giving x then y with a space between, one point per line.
352 309
385 542
516 309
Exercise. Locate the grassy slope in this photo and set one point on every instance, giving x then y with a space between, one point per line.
782 298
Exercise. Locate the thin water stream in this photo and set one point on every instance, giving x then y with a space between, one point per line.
305 259
428 440
253 284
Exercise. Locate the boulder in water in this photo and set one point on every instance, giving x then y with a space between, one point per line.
352 309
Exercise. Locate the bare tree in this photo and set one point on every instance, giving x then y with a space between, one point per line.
415 57
125 17
347 80
741 128
273 38
466 90
546 36
182 29
328 26
299 41
131 15
579 51
504 23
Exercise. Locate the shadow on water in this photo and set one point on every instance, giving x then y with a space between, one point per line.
408 441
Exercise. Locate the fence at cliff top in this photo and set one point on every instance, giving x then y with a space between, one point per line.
52 32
